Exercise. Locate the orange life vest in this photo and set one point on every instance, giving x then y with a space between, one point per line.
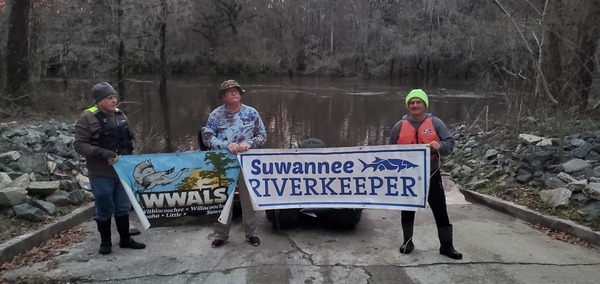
425 135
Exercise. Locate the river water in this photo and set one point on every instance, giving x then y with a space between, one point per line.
341 112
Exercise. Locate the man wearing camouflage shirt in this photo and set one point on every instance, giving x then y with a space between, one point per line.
237 128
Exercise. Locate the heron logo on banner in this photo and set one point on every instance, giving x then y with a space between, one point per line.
146 177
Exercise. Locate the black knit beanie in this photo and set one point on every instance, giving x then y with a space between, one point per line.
101 91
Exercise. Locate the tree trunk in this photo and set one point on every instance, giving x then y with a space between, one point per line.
551 61
164 103
588 42
17 63
121 52
35 45
331 27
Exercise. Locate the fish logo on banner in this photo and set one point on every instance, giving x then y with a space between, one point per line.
167 187
387 164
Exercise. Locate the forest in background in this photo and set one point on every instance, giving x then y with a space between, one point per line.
546 48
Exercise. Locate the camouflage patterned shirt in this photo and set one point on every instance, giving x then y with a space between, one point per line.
224 127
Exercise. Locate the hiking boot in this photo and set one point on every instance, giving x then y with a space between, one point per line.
217 243
105 244
407 247
105 248
255 241
446 247
130 243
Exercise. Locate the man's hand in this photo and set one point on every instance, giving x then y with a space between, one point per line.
435 145
108 154
113 161
233 148
243 147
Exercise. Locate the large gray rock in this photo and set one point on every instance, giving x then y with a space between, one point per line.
575 143
575 165
582 151
566 177
44 206
577 186
580 198
4 179
59 198
43 188
69 185
28 212
35 163
77 197
9 157
593 156
551 181
529 139
524 176
592 191
591 212
555 197
84 182
11 196
21 181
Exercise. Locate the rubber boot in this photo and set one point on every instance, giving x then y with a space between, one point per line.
123 229
104 229
407 246
446 248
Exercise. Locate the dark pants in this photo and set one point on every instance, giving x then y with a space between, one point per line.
437 203
110 197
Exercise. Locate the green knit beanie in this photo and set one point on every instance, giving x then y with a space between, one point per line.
417 93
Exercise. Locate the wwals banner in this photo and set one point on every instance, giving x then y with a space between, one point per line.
380 177
165 187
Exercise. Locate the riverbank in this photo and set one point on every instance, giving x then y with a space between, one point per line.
550 165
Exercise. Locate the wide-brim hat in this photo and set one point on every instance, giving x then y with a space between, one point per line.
228 84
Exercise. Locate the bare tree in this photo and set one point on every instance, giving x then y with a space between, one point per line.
164 102
537 56
17 62
216 16
121 51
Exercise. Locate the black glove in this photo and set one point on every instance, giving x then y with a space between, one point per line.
107 154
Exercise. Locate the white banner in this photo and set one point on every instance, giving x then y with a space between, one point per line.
381 177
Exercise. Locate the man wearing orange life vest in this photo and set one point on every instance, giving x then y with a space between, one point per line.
420 127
